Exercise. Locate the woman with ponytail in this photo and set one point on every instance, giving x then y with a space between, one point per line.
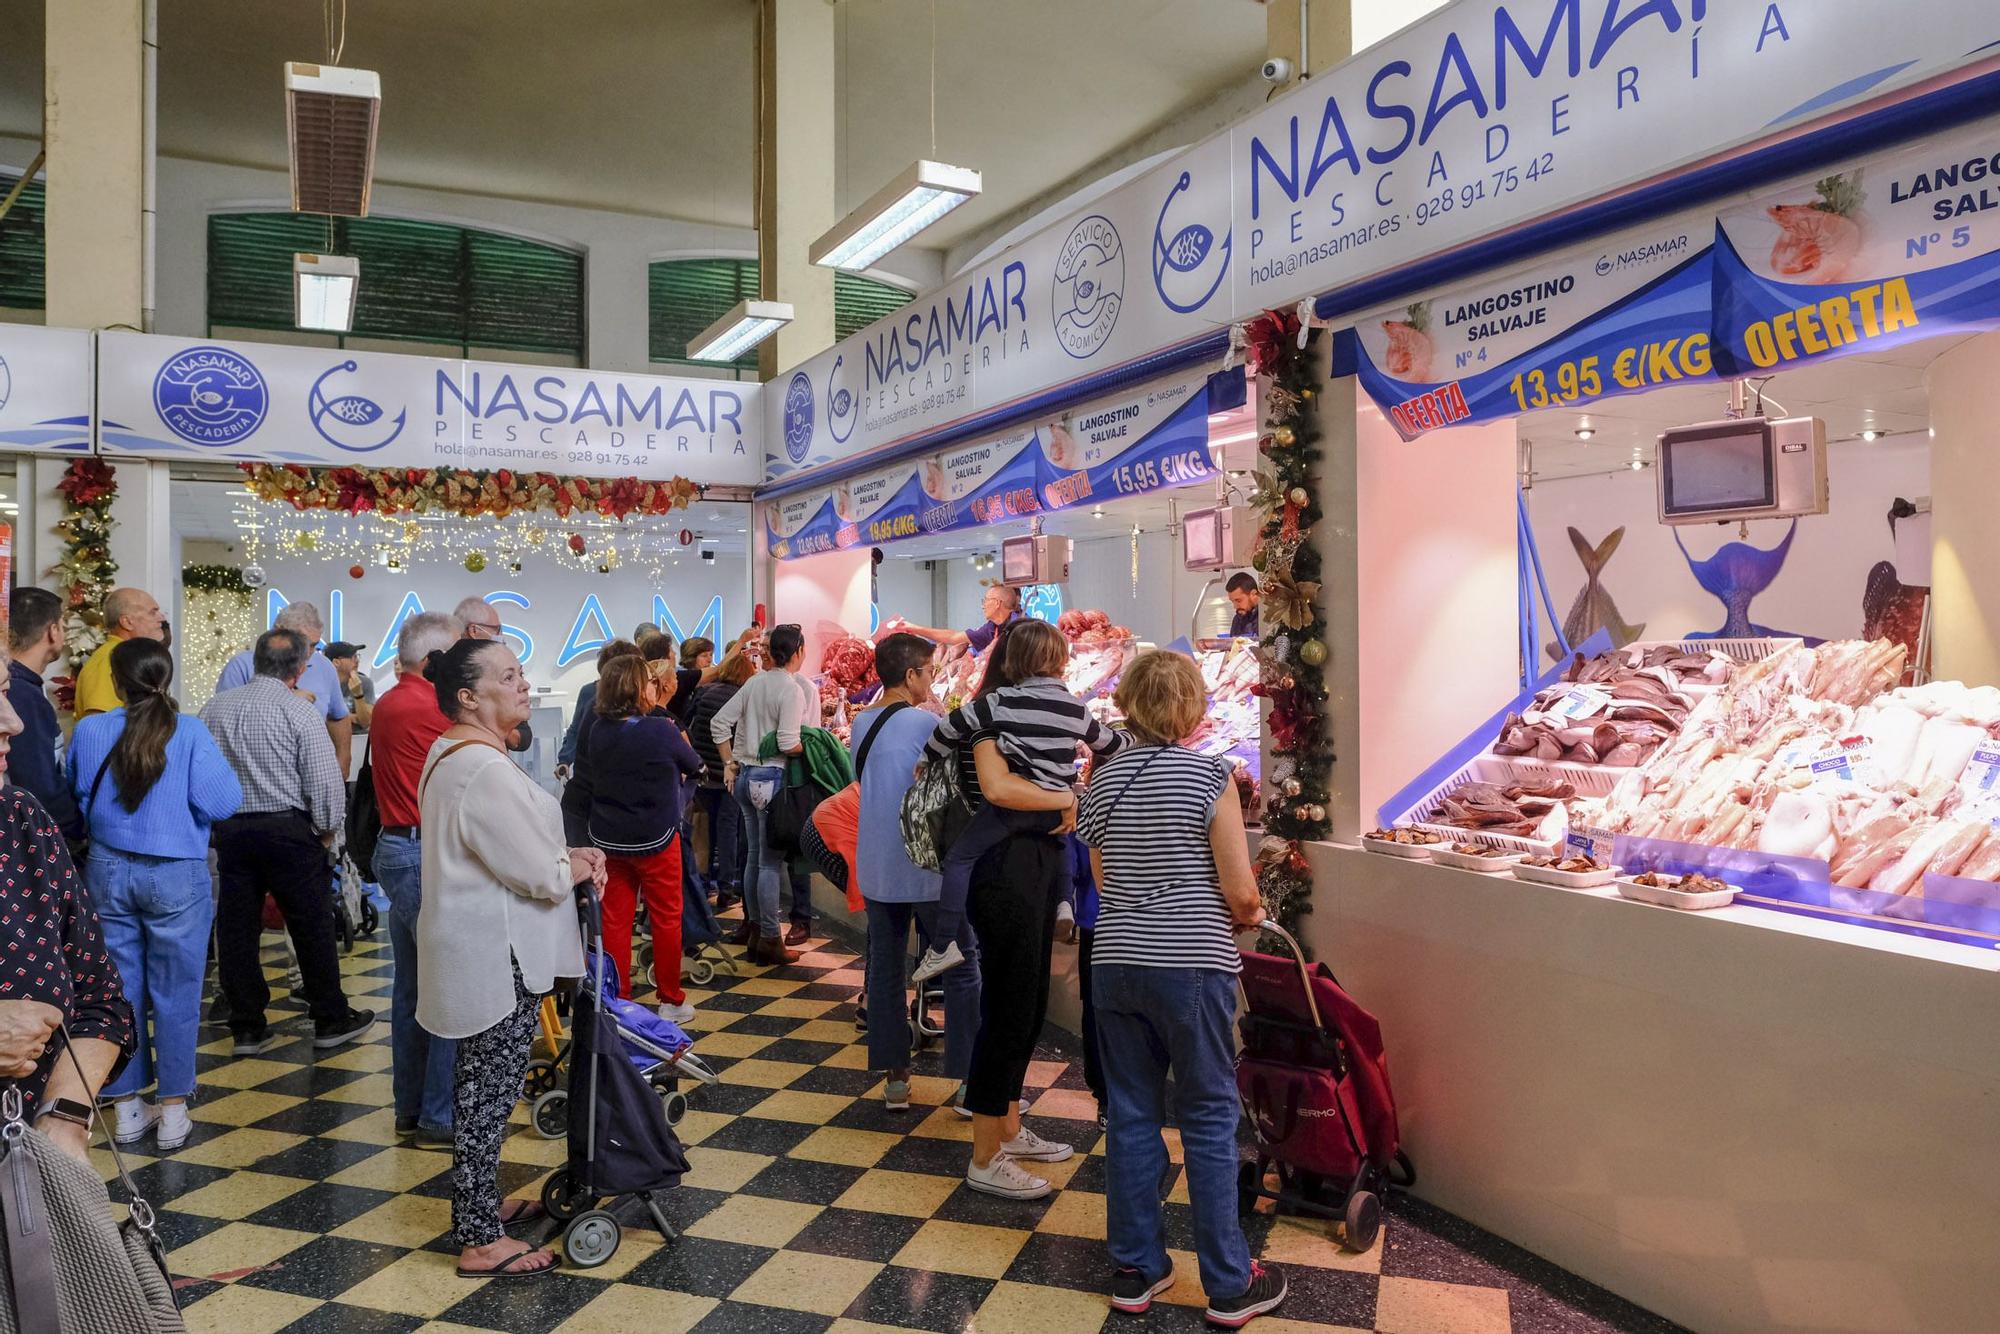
150 781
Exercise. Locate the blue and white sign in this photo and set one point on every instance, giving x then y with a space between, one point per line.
44 389
798 416
1153 437
163 397
1484 118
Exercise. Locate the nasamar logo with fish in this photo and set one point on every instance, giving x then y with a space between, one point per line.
210 396
351 421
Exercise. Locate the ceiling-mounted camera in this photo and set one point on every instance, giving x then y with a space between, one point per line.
1277 70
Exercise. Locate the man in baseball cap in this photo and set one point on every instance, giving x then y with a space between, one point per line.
357 689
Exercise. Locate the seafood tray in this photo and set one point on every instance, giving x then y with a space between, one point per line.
1743 650
1662 897
1482 769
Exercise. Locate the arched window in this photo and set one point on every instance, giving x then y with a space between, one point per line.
481 293
685 296
22 249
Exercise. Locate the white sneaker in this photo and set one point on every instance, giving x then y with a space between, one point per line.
682 1014
936 961
1031 1147
175 1126
1004 1177
136 1117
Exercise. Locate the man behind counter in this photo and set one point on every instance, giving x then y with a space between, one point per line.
1001 605
1243 595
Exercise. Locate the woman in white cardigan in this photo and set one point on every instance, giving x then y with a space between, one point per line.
496 929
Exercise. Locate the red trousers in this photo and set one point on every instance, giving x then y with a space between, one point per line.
658 877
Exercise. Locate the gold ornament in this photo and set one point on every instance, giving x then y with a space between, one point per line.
1308 394
1314 813
1312 653
1285 436
1280 403
475 561
1298 496
1291 786
1290 604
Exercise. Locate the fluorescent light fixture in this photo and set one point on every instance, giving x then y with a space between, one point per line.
331 117
324 289
918 197
747 324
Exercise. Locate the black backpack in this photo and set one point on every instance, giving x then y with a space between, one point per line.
364 818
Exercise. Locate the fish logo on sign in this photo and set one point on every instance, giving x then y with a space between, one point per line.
351 422
1183 273
799 417
210 396
1089 286
6 384
842 403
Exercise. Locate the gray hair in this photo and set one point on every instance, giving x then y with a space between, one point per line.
423 634
303 617
282 653
469 607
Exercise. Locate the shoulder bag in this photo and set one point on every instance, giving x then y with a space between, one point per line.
70 1264
364 817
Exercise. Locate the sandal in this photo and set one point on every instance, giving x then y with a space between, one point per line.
506 1268
529 1211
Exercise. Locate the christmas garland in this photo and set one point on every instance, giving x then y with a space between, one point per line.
1293 654
468 493
213 579
85 571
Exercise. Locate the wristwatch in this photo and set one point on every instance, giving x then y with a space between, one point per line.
67 1109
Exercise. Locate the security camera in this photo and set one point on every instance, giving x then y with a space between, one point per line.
708 555
1277 70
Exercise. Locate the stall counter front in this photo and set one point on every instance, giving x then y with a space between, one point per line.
1740 1119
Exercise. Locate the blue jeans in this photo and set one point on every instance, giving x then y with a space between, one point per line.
421 1065
889 996
156 913
762 868
1151 1021
725 839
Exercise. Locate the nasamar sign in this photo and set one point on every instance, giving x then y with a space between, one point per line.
1486 116
174 398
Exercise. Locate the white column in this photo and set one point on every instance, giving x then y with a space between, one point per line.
798 152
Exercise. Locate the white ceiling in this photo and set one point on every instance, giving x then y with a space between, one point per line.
647 107
1882 392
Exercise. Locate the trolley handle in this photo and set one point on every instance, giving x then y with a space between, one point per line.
1305 974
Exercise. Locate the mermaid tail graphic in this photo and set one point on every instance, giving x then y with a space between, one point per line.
1593 609
1735 575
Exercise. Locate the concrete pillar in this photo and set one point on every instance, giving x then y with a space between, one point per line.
97 123
796 190
1965 476
1329 33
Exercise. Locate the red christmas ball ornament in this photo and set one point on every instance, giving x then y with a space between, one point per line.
356 571
576 543
687 537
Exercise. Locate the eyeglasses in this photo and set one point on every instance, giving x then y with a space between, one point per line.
481 630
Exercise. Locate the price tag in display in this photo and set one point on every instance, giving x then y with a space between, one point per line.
1981 779
1846 761
1578 702
1590 843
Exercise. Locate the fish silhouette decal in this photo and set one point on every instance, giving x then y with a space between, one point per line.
1593 609
1735 575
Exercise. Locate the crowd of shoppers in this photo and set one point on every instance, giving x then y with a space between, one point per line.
1146 864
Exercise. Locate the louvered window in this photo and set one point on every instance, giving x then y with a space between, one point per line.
685 296
421 282
22 248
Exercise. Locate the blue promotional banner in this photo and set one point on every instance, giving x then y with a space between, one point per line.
1153 438
1903 247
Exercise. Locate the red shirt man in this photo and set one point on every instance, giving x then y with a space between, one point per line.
407 721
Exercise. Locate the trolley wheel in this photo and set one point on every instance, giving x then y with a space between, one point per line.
1249 1181
550 1114
591 1239
652 977
345 925
539 1078
560 1197
701 972
370 918
675 1104
1358 1227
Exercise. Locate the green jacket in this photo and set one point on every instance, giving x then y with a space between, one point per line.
825 759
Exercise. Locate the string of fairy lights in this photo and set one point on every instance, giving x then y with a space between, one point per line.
367 543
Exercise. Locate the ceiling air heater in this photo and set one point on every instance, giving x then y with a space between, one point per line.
331 116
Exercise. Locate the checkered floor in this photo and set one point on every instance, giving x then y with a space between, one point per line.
809 1207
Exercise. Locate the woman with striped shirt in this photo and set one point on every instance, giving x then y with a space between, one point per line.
1165 829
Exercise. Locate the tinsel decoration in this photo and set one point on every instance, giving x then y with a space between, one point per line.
85 571
217 621
1300 752
464 492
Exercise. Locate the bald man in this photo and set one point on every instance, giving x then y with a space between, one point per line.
129 613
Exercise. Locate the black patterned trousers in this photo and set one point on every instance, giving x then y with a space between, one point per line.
489 1070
